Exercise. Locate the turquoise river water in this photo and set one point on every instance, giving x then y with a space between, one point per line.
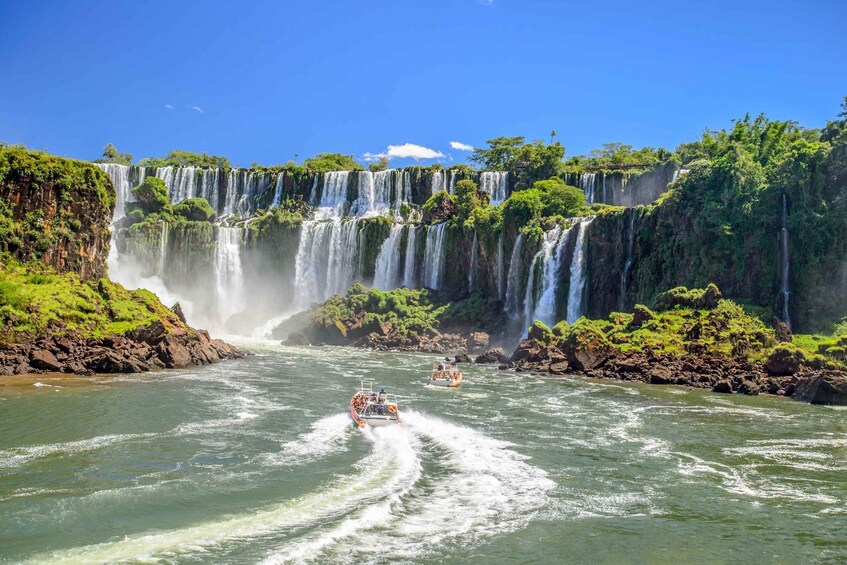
256 461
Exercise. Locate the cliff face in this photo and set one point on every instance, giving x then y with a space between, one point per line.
55 210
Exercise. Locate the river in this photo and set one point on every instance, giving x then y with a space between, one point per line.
256 460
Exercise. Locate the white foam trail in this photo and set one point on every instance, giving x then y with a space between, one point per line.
387 472
398 448
328 435
488 490
18 456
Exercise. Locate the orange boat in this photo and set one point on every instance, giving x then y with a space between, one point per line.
373 408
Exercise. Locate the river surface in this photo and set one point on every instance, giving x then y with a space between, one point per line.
256 460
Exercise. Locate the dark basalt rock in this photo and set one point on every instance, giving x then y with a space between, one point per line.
496 355
822 388
462 358
45 360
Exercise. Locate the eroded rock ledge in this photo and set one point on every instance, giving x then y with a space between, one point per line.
147 348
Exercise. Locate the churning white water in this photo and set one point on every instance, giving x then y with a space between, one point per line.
334 195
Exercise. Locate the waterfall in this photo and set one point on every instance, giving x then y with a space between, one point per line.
409 267
495 184
452 186
627 266
124 178
434 255
500 270
387 275
326 261
407 188
586 183
605 199
278 186
474 259
229 278
678 173
334 195
785 261
544 308
438 183
163 249
313 193
514 280
577 280
376 191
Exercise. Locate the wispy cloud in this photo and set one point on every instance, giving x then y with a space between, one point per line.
169 107
197 109
485 2
461 146
405 151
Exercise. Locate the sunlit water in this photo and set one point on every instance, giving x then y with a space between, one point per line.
256 460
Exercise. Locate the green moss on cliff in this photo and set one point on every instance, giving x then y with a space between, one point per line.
36 301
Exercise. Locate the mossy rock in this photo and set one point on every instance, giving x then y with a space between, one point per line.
785 359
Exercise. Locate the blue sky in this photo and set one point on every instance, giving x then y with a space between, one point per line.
262 81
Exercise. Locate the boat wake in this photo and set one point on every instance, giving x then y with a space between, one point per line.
423 486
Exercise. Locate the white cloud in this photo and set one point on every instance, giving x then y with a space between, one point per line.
373 157
169 107
405 151
461 146
197 109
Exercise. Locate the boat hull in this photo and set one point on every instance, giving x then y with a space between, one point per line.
447 383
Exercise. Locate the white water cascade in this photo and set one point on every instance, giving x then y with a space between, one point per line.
124 178
382 193
495 184
438 182
577 280
586 183
163 249
280 184
409 267
544 306
327 260
387 271
514 280
474 260
229 277
452 187
333 196
434 256
784 264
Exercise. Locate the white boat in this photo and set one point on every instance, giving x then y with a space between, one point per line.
373 408
445 375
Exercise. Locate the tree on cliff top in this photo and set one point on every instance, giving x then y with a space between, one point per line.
112 155
179 158
468 197
324 162
527 162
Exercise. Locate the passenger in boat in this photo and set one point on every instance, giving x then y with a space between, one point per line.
381 398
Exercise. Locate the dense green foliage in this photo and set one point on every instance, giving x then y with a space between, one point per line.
195 210
45 201
545 199
151 196
616 155
112 155
179 158
526 162
439 207
36 301
324 162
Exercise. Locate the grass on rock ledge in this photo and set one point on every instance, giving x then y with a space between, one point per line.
36 301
